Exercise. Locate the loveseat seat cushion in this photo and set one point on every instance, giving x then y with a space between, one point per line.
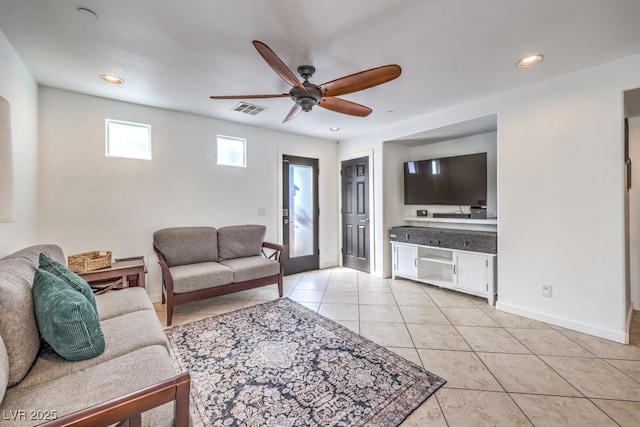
250 268
84 388
204 275
187 245
123 335
18 325
240 241
123 301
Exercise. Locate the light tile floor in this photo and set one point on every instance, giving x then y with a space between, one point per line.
501 369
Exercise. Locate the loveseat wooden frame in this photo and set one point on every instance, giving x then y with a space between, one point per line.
127 410
172 299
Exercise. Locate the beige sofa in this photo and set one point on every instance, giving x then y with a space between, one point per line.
38 385
204 262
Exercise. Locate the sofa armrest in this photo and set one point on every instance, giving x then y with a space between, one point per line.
167 280
131 406
278 251
278 254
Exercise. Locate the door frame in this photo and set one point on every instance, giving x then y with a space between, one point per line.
373 223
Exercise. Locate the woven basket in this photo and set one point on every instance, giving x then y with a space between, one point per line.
88 261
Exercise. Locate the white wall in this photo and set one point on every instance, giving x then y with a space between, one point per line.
560 194
90 202
19 88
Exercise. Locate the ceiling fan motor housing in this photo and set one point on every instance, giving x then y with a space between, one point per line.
306 99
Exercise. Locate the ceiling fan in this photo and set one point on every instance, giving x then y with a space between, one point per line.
306 94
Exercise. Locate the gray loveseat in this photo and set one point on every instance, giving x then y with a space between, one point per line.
204 262
133 374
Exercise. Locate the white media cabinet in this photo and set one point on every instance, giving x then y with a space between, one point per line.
465 271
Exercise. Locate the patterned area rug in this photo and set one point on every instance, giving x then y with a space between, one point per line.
281 364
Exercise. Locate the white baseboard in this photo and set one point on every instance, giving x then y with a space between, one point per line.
155 297
328 265
609 334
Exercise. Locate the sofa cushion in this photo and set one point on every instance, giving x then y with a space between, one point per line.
18 325
240 241
87 387
187 245
122 301
250 268
75 281
122 335
66 319
4 369
204 275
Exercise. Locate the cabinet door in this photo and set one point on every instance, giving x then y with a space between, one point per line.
405 261
471 273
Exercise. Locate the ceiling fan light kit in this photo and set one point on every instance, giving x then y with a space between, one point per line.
306 95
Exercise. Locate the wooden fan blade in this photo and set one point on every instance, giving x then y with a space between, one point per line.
277 64
345 107
361 80
249 96
293 113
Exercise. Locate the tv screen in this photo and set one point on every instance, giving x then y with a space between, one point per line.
459 180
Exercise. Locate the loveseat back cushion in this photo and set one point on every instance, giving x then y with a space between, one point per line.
240 241
187 245
4 369
18 325
66 319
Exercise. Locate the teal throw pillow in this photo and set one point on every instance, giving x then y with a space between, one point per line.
66 319
76 282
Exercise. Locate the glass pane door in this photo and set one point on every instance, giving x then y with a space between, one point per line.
300 213
300 207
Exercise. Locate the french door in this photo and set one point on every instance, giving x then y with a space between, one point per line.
300 213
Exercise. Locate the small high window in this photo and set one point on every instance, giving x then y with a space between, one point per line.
129 140
232 151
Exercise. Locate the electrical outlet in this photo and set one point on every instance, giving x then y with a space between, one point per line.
545 290
262 212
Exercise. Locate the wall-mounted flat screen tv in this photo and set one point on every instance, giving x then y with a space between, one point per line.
459 180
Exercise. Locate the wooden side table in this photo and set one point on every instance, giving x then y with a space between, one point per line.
121 274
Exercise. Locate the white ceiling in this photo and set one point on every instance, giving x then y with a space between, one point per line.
175 54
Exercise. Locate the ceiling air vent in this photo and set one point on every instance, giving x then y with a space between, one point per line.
247 108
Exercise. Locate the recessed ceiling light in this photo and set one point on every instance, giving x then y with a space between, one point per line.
334 129
112 79
530 61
